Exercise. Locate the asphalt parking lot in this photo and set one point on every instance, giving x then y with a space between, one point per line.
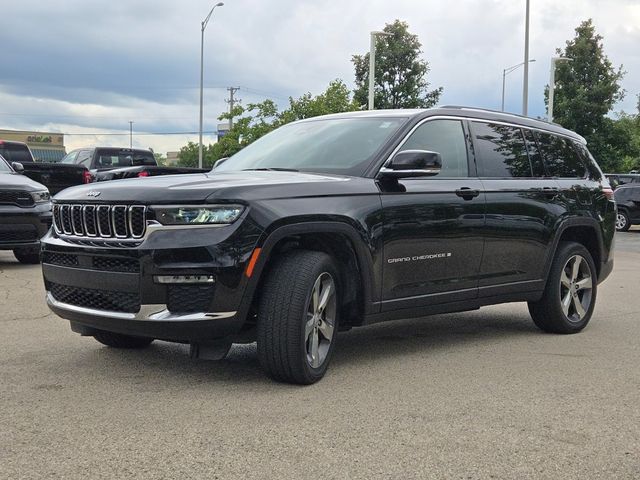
475 395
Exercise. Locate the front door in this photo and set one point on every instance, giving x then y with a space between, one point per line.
433 226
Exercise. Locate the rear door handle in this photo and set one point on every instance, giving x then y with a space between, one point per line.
467 193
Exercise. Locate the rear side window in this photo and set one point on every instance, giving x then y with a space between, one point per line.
561 158
500 150
588 160
113 158
445 137
15 153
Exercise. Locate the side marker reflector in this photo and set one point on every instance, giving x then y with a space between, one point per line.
252 262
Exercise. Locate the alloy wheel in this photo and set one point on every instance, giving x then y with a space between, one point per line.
621 221
320 320
576 288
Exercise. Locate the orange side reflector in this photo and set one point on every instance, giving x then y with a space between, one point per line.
252 262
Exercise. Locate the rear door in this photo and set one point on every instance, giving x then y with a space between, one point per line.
432 229
520 212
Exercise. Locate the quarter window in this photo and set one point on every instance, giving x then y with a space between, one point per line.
501 150
445 137
561 158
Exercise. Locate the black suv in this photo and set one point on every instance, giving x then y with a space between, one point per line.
335 222
628 200
25 213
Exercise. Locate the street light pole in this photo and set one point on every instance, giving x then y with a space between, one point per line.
372 65
203 27
130 133
552 83
525 83
506 72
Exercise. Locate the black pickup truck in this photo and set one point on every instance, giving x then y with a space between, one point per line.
112 163
54 176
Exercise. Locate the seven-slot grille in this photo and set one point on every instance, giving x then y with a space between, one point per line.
100 221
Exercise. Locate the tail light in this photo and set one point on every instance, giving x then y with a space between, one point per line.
87 177
143 174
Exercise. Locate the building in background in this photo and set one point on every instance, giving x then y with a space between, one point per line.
45 146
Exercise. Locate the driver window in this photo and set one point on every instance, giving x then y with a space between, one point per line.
445 137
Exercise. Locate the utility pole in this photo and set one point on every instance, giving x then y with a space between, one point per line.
130 133
525 83
232 101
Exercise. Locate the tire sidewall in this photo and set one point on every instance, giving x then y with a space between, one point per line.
565 252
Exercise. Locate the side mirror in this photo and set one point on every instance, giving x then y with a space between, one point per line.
18 167
413 163
219 162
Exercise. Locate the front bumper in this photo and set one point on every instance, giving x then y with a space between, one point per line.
22 227
115 288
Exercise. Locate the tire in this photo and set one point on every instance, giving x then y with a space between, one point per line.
577 286
118 340
622 221
296 329
28 256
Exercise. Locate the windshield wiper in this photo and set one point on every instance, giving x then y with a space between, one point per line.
268 169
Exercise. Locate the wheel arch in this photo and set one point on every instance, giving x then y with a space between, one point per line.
340 240
585 231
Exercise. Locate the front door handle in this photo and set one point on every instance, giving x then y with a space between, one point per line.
467 193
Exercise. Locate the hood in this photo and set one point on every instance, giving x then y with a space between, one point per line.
15 181
211 187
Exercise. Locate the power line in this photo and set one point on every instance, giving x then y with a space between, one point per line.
137 134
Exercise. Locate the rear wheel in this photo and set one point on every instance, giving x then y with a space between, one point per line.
622 221
298 317
29 256
118 340
570 294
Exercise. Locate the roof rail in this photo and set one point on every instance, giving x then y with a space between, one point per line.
479 109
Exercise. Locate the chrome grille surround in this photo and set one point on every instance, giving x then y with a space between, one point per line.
118 222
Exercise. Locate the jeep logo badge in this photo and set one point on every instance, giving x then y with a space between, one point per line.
93 193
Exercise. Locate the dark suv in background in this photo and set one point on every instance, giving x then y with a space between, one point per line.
336 222
628 200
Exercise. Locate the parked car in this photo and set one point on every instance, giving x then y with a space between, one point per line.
54 176
628 200
337 222
108 163
617 179
25 214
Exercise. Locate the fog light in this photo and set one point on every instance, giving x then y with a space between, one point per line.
183 279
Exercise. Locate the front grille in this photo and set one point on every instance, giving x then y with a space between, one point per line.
62 259
97 299
30 235
100 221
189 298
16 197
116 264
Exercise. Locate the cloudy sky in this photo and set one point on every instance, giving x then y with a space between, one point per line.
89 66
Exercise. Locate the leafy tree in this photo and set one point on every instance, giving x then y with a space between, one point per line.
335 99
586 90
160 158
400 74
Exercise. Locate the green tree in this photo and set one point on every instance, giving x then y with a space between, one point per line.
160 158
586 90
400 75
335 99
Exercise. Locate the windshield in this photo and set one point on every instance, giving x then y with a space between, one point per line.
4 166
14 152
343 146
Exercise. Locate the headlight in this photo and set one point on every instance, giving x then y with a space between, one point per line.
198 215
41 196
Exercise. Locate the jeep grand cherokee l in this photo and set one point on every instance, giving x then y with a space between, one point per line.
335 222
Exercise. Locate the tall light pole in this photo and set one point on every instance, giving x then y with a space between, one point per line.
203 26
130 133
506 72
372 65
552 82
525 83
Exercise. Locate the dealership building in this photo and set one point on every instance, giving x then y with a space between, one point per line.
45 146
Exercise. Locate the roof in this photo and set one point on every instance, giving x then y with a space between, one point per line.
460 111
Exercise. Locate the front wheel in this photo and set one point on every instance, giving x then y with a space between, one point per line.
569 297
298 317
622 221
